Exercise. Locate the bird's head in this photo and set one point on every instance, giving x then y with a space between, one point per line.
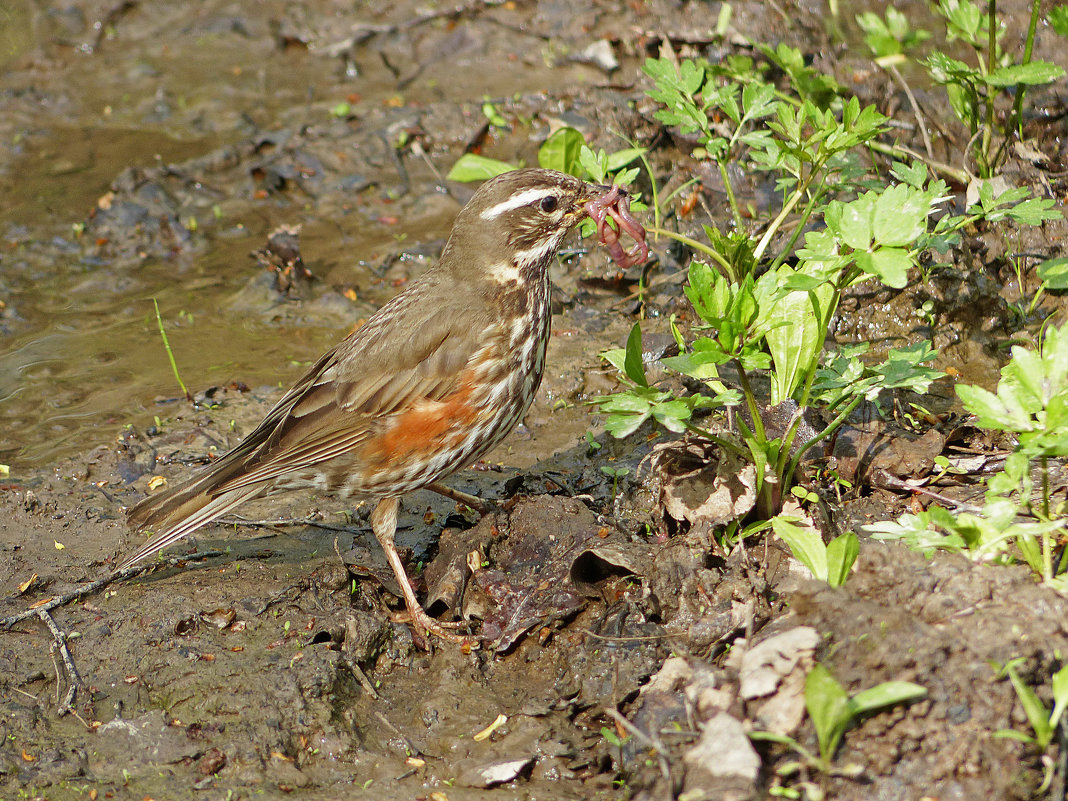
513 225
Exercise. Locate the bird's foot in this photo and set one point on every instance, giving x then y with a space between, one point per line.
480 505
423 624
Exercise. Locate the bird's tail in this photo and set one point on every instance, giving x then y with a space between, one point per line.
176 513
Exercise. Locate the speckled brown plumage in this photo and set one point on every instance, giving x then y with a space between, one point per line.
437 377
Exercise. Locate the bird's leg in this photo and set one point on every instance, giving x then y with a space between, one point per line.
476 503
384 525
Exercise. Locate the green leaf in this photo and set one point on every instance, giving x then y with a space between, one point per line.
903 368
914 175
989 409
890 265
853 222
595 164
965 103
1037 714
561 151
900 216
632 364
805 543
889 693
1054 273
471 167
628 402
829 708
1058 19
700 365
708 292
672 415
621 158
1035 211
1060 695
1034 73
842 552
795 324
616 357
622 426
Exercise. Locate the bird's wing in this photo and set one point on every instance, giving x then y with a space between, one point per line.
403 355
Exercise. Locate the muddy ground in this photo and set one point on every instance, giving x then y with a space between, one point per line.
148 148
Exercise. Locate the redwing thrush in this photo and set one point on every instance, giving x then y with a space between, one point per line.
431 382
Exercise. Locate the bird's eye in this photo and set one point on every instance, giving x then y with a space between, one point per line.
548 204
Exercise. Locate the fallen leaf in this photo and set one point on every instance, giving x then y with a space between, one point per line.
27 584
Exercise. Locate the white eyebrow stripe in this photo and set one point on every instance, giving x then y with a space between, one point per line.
516 201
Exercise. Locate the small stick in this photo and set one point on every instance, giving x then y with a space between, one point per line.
361 677
100 583
73 679
473 501
649 740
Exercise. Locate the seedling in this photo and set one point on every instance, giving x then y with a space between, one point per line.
170 353
1043 721
1031 402
974 89
827 562
614 473
832 711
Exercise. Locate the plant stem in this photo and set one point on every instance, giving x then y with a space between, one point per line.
833 426
1016 123
726 444
788 249
788 207
170 353
991 57
727 268
737 215
750 400
948 170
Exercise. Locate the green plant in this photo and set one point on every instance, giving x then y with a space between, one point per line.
170 353
775 326
798 137
1030 402
613 738
1043 721
832 711
974 90
492 115
830 562
614 473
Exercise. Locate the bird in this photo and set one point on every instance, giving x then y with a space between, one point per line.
426 386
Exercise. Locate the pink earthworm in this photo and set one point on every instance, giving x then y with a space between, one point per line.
615 203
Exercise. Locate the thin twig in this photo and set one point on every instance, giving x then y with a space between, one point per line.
411 747
650 740
74 681
920 122
646 638
100 583
237 520
361 677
